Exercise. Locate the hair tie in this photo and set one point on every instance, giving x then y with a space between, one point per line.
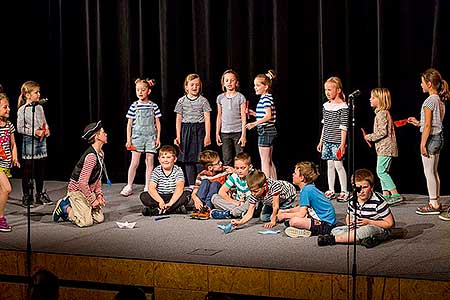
151 82
269 76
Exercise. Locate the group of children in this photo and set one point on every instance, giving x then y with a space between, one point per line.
211 189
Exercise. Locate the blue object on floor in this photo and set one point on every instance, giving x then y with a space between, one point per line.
269 231
226 228
161 217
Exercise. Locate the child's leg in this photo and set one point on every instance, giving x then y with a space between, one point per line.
135 157
383 165
267 165
203 190
430 165
227 148
190 171
213 189
39 168
148 168
26 176
339 165
331 174
303 223
5 189
266 213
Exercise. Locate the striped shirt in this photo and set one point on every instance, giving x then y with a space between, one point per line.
437 107
335 119
212 177
242 190
284 189
374 209
138 105
5 145
89 191
192 111
265 102
166 184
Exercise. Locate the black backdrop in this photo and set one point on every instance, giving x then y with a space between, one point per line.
86 55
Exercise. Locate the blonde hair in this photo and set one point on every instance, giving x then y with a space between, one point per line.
267 79
437 82
3 96
338 83
207 157
256 178
148 82
308 170
26 88
243 156
229 71
384 98
189 78
167 149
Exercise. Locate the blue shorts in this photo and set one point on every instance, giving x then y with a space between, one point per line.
435 143
266 135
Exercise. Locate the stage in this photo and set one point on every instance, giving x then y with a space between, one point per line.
419 249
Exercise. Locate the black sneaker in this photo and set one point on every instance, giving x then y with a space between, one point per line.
147 211
27 200
326 240
371 241
43 198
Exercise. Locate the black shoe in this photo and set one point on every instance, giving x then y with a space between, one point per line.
148 211
181 210
326 240
27 200
370 242
286 223
43 198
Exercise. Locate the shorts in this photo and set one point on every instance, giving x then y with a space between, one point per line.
435 143
266 135
320 227
7 172
144 143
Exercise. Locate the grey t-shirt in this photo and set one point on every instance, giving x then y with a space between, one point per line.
231 112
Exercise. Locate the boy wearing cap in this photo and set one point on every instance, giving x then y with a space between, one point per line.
84 201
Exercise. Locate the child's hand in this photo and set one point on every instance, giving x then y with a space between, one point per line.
198 204
414 121
206 141
15 162
229 169
319 147
235 222
270 224
281 216
218 140
251 112
251 125
176 141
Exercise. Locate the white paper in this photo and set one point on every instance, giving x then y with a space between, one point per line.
126 225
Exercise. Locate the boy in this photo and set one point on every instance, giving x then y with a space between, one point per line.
208 183
234 206
374 218
272 193
84 201
8 158
166 187
316 213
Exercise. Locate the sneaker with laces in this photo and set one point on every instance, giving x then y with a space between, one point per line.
343 197
43 198
394 199
330 194
4 226
445 216
60 211
294 232
126 191
204 213
27 200
429 210
220 214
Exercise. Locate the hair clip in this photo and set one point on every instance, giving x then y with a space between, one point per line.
269 76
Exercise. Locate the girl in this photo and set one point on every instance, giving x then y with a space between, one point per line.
143 132
385 142
193 126
334 135
34 142
8 158
231 118
431 142
266 117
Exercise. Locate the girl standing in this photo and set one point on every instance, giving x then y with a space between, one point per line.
193 126
143 132
34 142
231 118
432 138
266 116
385 142
334 136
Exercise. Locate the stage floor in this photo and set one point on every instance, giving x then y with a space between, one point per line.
420 248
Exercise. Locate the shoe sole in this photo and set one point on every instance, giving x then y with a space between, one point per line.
444 218
427 213
297 232
394 202
5 229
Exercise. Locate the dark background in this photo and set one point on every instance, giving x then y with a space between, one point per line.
87 54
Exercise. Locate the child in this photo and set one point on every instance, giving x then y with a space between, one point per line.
266 117
385 142
208 182
193 126
84 201
334 136
34 143
373 216
143 132
234 206
8 158
273 194
432 139
166 186
316 213
231 118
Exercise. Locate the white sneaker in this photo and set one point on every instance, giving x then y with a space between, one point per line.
297 232
126 191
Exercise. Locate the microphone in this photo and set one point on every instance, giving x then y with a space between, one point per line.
354 94
38 102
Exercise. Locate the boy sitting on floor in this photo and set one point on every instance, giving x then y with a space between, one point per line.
316 214
373 216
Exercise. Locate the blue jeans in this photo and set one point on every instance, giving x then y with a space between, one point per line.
267 210
206 190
